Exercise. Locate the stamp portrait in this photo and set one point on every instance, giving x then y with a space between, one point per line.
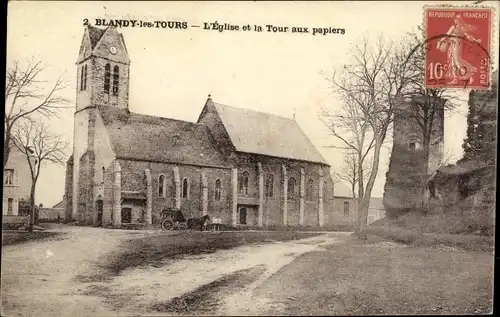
458 47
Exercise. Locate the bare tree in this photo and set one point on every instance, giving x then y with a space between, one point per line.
24 97
348 172
370 88
40 147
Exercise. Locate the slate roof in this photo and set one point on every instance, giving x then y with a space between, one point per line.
267 134
59 204
150 138
95 35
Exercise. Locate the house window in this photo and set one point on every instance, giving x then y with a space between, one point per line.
107 75
116 79
243 184
346 208
10 204
8 177
269 185
291 188
161 186
218 186
185 188
309 190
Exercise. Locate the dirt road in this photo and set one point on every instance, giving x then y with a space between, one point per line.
40 278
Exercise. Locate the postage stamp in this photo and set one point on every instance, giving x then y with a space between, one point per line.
458 47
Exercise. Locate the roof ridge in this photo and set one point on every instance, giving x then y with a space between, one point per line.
257 111
149 116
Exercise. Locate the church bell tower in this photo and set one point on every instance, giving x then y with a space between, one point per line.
103 69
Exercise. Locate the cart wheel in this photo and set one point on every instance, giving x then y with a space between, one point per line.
167 225
182 226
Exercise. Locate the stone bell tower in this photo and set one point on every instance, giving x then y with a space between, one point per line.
103 72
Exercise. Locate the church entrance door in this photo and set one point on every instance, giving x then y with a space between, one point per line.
126 215
99 205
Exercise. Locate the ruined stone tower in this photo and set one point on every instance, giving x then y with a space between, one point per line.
408 167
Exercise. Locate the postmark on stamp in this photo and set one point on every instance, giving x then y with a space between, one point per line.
458 47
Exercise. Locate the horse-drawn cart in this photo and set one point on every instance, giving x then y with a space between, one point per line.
173 219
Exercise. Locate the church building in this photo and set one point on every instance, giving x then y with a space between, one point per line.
245 167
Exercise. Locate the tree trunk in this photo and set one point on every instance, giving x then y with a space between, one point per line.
32 206
360 194
6 146
365 201
425 170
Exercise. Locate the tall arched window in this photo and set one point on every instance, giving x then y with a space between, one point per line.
85 77
291 188
185 188
81 77
346 208
218 186
161 186
243 183
116 80
107 75
269 185
103 173
309 190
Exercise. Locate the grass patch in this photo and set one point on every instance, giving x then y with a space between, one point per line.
355 280
150 250
423 239
16 237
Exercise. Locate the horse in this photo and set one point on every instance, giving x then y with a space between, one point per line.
195 222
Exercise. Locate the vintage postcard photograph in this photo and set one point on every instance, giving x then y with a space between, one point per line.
237 158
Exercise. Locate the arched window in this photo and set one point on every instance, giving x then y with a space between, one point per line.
243 183
116 80
325 191
107 75
218 186
161 186
85 77
346 208
103 173
269 185
185 188
291 188
81 78
309 190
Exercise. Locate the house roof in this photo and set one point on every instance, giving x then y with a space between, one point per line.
150 138
267 134
59 204
95 35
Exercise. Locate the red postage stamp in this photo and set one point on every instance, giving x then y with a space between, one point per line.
458 47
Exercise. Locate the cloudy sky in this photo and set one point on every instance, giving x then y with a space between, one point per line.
173 71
